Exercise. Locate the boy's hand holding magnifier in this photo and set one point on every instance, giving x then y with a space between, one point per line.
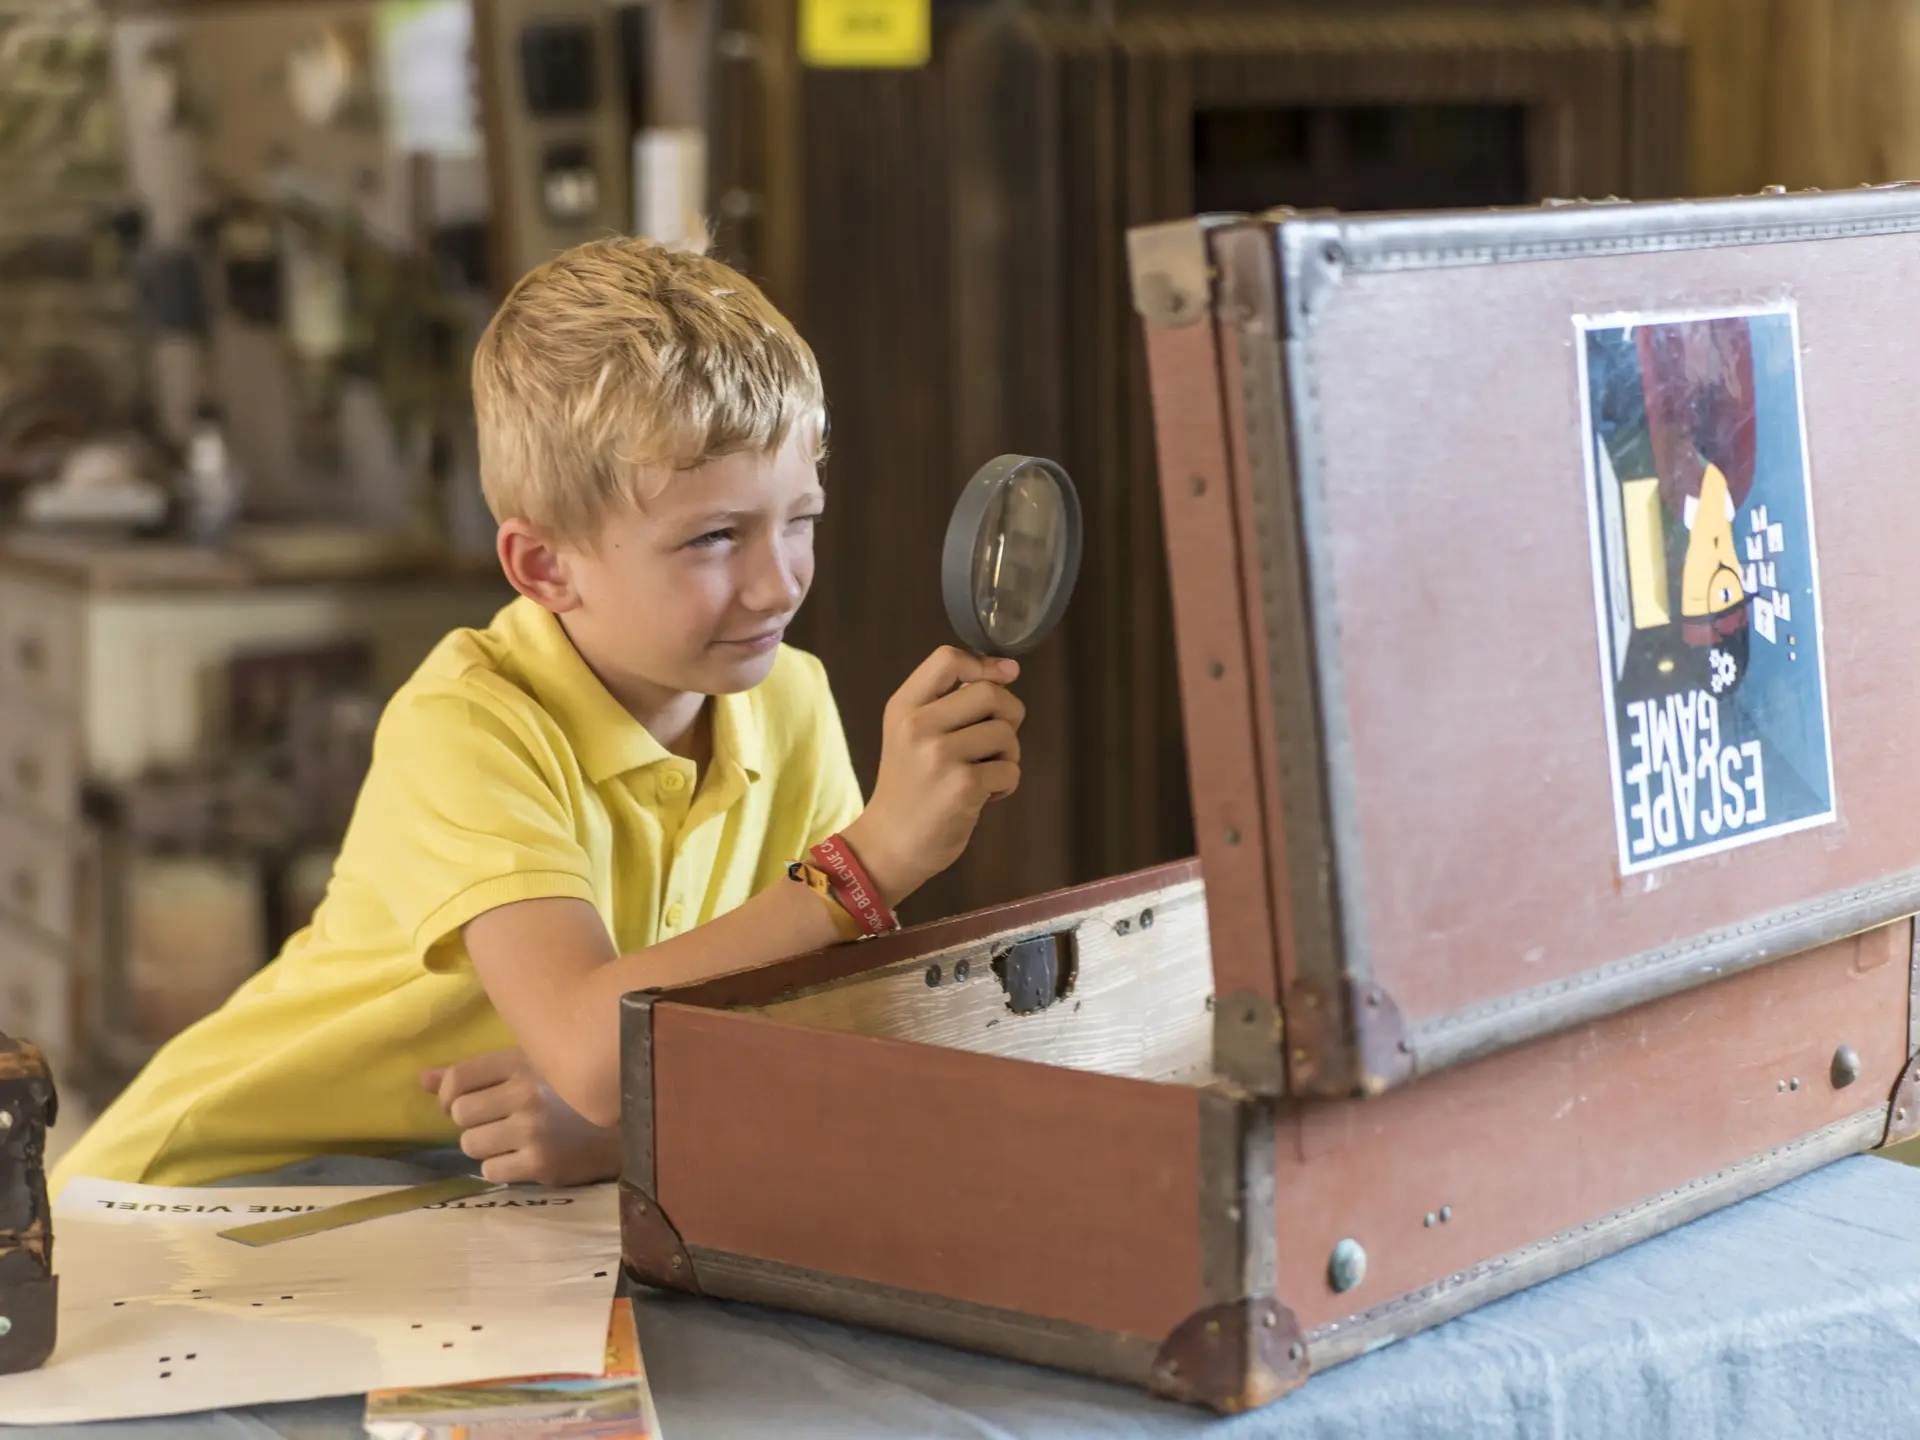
951 742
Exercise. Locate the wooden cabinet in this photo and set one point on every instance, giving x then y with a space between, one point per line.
112 661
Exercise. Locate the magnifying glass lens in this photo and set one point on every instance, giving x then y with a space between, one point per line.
1018 559
1011 556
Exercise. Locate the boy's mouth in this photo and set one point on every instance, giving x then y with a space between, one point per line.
756 644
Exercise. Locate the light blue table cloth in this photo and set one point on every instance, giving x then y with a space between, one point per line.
1794 1314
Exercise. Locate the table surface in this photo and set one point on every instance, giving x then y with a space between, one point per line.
1795 1313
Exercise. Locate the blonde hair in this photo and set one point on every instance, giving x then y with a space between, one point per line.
619 360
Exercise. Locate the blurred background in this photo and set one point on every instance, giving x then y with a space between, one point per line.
246 247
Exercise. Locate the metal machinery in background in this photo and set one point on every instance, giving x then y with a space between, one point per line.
950 239
560 88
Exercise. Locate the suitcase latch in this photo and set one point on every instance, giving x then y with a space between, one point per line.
1036 972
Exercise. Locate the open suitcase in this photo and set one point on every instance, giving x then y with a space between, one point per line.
1554 800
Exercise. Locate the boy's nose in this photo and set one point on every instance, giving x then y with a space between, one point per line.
773 585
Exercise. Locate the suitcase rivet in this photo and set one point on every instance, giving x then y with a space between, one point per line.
1295 1350
1347 1266
1146 919
675 1263
1373 998
1845 1068
933 976
1124 927
961 969
6 1119
1216 670
1794 1084
1446 1213
1233 836
1900 1114
1199 484
1781 1086
6 1325
1428 1222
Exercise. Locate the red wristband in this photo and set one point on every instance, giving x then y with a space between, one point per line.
853 887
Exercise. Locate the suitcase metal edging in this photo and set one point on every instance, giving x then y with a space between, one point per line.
1345 1033
1317 252
1343 1340
1463 1035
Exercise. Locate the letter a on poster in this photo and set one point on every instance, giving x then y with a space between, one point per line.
1706 584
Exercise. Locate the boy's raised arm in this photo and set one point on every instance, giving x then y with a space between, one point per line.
551 969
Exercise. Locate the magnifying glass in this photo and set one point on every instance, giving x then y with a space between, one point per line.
1012 555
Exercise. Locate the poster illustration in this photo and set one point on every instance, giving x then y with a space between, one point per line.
1705 580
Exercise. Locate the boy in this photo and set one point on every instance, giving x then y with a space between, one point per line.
604 790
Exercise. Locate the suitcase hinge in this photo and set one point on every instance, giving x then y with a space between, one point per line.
1903 1107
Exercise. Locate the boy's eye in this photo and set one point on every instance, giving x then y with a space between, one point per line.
710 539
813 519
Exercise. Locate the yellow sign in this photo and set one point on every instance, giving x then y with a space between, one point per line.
866 34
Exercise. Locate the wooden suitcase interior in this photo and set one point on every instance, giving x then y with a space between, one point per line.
866 1135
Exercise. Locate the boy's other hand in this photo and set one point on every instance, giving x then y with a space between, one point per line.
951 744
511 1121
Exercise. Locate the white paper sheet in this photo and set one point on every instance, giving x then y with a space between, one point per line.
159 1315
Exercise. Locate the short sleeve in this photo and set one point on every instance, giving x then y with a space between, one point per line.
836 796
466 809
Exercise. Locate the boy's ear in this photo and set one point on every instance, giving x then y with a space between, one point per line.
535 567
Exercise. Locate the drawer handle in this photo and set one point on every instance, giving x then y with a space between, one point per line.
32 653
26 773
25 889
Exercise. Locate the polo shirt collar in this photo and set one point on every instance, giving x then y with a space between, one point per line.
608 740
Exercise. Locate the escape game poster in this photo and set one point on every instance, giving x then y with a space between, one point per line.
1705 580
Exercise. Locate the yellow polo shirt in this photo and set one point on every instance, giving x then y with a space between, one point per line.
502 771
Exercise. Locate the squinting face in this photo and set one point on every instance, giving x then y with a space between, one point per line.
693 591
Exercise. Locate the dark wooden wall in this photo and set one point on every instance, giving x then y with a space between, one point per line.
951 240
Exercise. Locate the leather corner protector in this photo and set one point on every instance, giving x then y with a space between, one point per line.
1903 1107
1232 1357
1346 1041
650 1247
1172 274
1249 1042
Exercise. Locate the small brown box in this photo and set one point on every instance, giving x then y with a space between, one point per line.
1554 828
